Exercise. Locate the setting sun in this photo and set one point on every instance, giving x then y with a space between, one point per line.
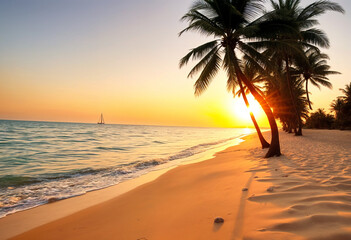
241 112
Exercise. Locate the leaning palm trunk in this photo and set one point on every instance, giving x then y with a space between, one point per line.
274 148
308 97
263 141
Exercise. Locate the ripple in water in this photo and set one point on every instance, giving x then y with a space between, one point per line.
45 161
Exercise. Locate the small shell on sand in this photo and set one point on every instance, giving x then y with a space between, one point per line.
245 189
219 220
270 189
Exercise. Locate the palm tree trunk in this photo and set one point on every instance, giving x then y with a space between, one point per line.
284 126
299 126
290 127
299 131
274 148
288 76
263 141
308 96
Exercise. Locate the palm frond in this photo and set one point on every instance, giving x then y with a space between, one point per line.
207 74
198 52
316 37
318 8
201 23
202 63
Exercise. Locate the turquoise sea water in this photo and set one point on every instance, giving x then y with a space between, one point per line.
45 160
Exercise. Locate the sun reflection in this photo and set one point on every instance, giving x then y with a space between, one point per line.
247 130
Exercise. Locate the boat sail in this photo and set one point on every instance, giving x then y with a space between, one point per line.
101 120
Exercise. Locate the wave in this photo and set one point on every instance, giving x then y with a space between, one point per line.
112 148
16 181
182 154
19 192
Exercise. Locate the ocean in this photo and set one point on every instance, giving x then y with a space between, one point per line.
41 161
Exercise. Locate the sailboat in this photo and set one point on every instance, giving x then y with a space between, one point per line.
101 120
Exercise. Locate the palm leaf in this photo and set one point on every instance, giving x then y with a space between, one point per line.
198 52
202 63
207 74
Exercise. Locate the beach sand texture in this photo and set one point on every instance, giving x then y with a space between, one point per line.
304 194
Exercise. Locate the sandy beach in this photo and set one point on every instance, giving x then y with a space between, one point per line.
304 194
170 120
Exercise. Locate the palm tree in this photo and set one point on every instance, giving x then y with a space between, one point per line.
301 103
231 24
252 76
342 108
278 96
290 29
337 106
314 68
347 92
344 119
320 120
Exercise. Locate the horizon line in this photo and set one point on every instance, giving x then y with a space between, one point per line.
130 124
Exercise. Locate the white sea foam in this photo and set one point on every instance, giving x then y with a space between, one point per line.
89 157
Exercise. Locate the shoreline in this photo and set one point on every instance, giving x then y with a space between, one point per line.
97 163
22 221
304 194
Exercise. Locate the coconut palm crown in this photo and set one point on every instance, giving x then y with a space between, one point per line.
288 30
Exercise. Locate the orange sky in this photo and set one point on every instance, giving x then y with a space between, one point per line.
68 61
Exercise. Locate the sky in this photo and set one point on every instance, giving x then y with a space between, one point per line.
71 60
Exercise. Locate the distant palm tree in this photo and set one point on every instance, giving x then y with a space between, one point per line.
344 116
347 92
337 106
314 68
320 120
231 24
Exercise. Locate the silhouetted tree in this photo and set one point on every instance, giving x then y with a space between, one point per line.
232 25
